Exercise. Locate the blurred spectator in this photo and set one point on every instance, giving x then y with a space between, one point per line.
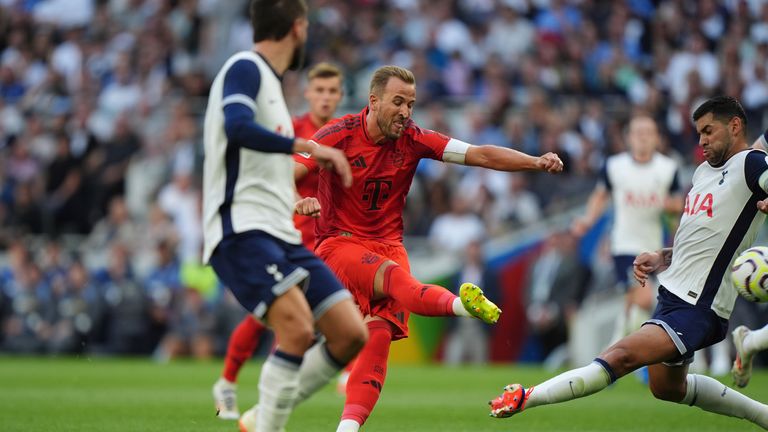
28 329
106 165
181 200
193 320
127 305
66 208
164 290
519 206
467 340
115 227
556 286
78 308
454 230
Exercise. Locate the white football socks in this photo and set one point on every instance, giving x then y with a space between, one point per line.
278 390
316 370
348 426
570 385
458 308
756 340
711 395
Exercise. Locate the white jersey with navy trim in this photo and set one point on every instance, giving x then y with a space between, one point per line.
638 191
244 189
720 220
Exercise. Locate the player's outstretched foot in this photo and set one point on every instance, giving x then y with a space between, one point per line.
247 421
225 398
511 402
477 304
742 366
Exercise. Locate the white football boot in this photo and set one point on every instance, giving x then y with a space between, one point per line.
742 366
225 398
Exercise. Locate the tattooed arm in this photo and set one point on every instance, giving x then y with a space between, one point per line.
651 262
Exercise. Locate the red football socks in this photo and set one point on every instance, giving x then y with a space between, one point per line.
367 376
419 298
242 343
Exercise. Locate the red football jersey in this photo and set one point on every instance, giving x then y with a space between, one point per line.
382 174
303 127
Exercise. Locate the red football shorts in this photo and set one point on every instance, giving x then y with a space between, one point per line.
355 262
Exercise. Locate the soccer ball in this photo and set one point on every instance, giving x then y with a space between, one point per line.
750 274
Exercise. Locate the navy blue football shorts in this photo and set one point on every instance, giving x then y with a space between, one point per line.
623 268
690 327
258 268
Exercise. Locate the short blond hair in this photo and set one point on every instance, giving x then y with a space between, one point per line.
383 74
325 70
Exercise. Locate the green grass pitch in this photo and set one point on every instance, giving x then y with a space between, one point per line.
82 395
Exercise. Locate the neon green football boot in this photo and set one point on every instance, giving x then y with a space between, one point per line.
477 304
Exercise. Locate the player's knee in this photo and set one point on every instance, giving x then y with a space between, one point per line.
667 391
621 359
299 335
350 342
355 340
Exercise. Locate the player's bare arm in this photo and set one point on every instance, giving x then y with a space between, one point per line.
505 159
326 157
598 201
651 262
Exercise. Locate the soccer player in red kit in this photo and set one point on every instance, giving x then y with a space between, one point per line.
323 94
360 230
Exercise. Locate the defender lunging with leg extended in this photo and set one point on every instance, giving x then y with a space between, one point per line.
695 297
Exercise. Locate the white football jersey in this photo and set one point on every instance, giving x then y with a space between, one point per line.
244 189
638 191
720 220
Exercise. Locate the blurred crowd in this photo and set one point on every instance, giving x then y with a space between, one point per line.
100 134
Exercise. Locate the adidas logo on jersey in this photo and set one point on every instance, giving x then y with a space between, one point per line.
359 162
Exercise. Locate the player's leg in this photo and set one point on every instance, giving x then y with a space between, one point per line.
675 384
366 379
357 263
242 343
341 382
336 318
649 345
748 343
290 318
255 266
344 336
394 281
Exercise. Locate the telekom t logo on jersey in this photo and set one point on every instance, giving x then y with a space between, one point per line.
375 191
700 204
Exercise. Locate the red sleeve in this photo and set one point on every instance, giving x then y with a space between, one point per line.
306 160
327 135
430 144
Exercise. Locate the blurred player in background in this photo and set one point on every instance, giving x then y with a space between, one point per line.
643 185
248 203
696 297
323 94
360 231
